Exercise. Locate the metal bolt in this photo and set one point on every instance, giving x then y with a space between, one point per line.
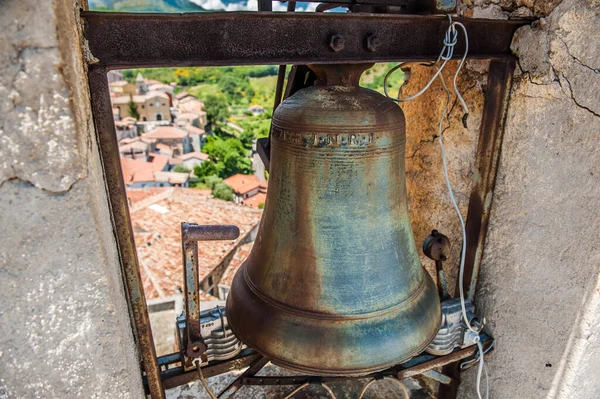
373 43
337 42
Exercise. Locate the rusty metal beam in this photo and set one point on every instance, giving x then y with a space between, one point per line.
178 376
480 202
115 187
254 368
487 157
120 40
416 366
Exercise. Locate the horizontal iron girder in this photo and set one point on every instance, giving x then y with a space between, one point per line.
124 40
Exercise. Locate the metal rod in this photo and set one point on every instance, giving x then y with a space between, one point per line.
488 155
238 382
191 233
179 376
416 366
124 40
111 167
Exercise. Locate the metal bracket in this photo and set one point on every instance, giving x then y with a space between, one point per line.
190 235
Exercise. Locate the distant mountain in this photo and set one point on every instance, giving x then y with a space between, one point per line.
164 6
174 6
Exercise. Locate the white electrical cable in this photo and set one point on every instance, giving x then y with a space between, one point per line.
203 381
450 40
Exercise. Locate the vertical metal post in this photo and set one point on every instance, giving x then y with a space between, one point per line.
480 202
113 177
190 235
487 158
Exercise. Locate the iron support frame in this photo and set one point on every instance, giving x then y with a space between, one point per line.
120 40
117 41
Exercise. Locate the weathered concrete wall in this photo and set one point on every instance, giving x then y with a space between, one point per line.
539 287
64 325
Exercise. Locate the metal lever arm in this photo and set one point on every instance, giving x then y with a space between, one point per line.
191 233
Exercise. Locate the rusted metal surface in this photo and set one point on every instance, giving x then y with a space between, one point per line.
487 157
179 376
416 366
480 201
111 167
254 368
153 40
336 218
194 232
191 233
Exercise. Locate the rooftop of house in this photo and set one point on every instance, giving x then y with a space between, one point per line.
157 222
135 170
238 259
166 133
182 95
137 146
256 200
118 83
159 87
194 155
171 177
156 93
242 184
189 116
135 195
190 104
138 98
192 129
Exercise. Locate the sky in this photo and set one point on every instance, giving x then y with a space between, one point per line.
249 5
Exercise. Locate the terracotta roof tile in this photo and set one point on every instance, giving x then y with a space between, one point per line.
242 184
194 155
238 259
165 133
135 170
135 195
157 226
255 200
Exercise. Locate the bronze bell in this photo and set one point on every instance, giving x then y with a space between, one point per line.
334 284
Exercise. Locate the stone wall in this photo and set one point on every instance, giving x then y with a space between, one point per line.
540 285
64 324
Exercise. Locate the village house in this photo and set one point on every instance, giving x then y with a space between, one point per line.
126 128
173 138
140 172
122 87
190 104
151 106
245 187
189 160
156 216
134 148
256 110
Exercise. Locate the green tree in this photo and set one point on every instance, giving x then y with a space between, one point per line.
132 110
217 110
222 191
206 168
229 156
247 138
212 181
181 169
237 88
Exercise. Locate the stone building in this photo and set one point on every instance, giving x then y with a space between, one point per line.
62 297
151 106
